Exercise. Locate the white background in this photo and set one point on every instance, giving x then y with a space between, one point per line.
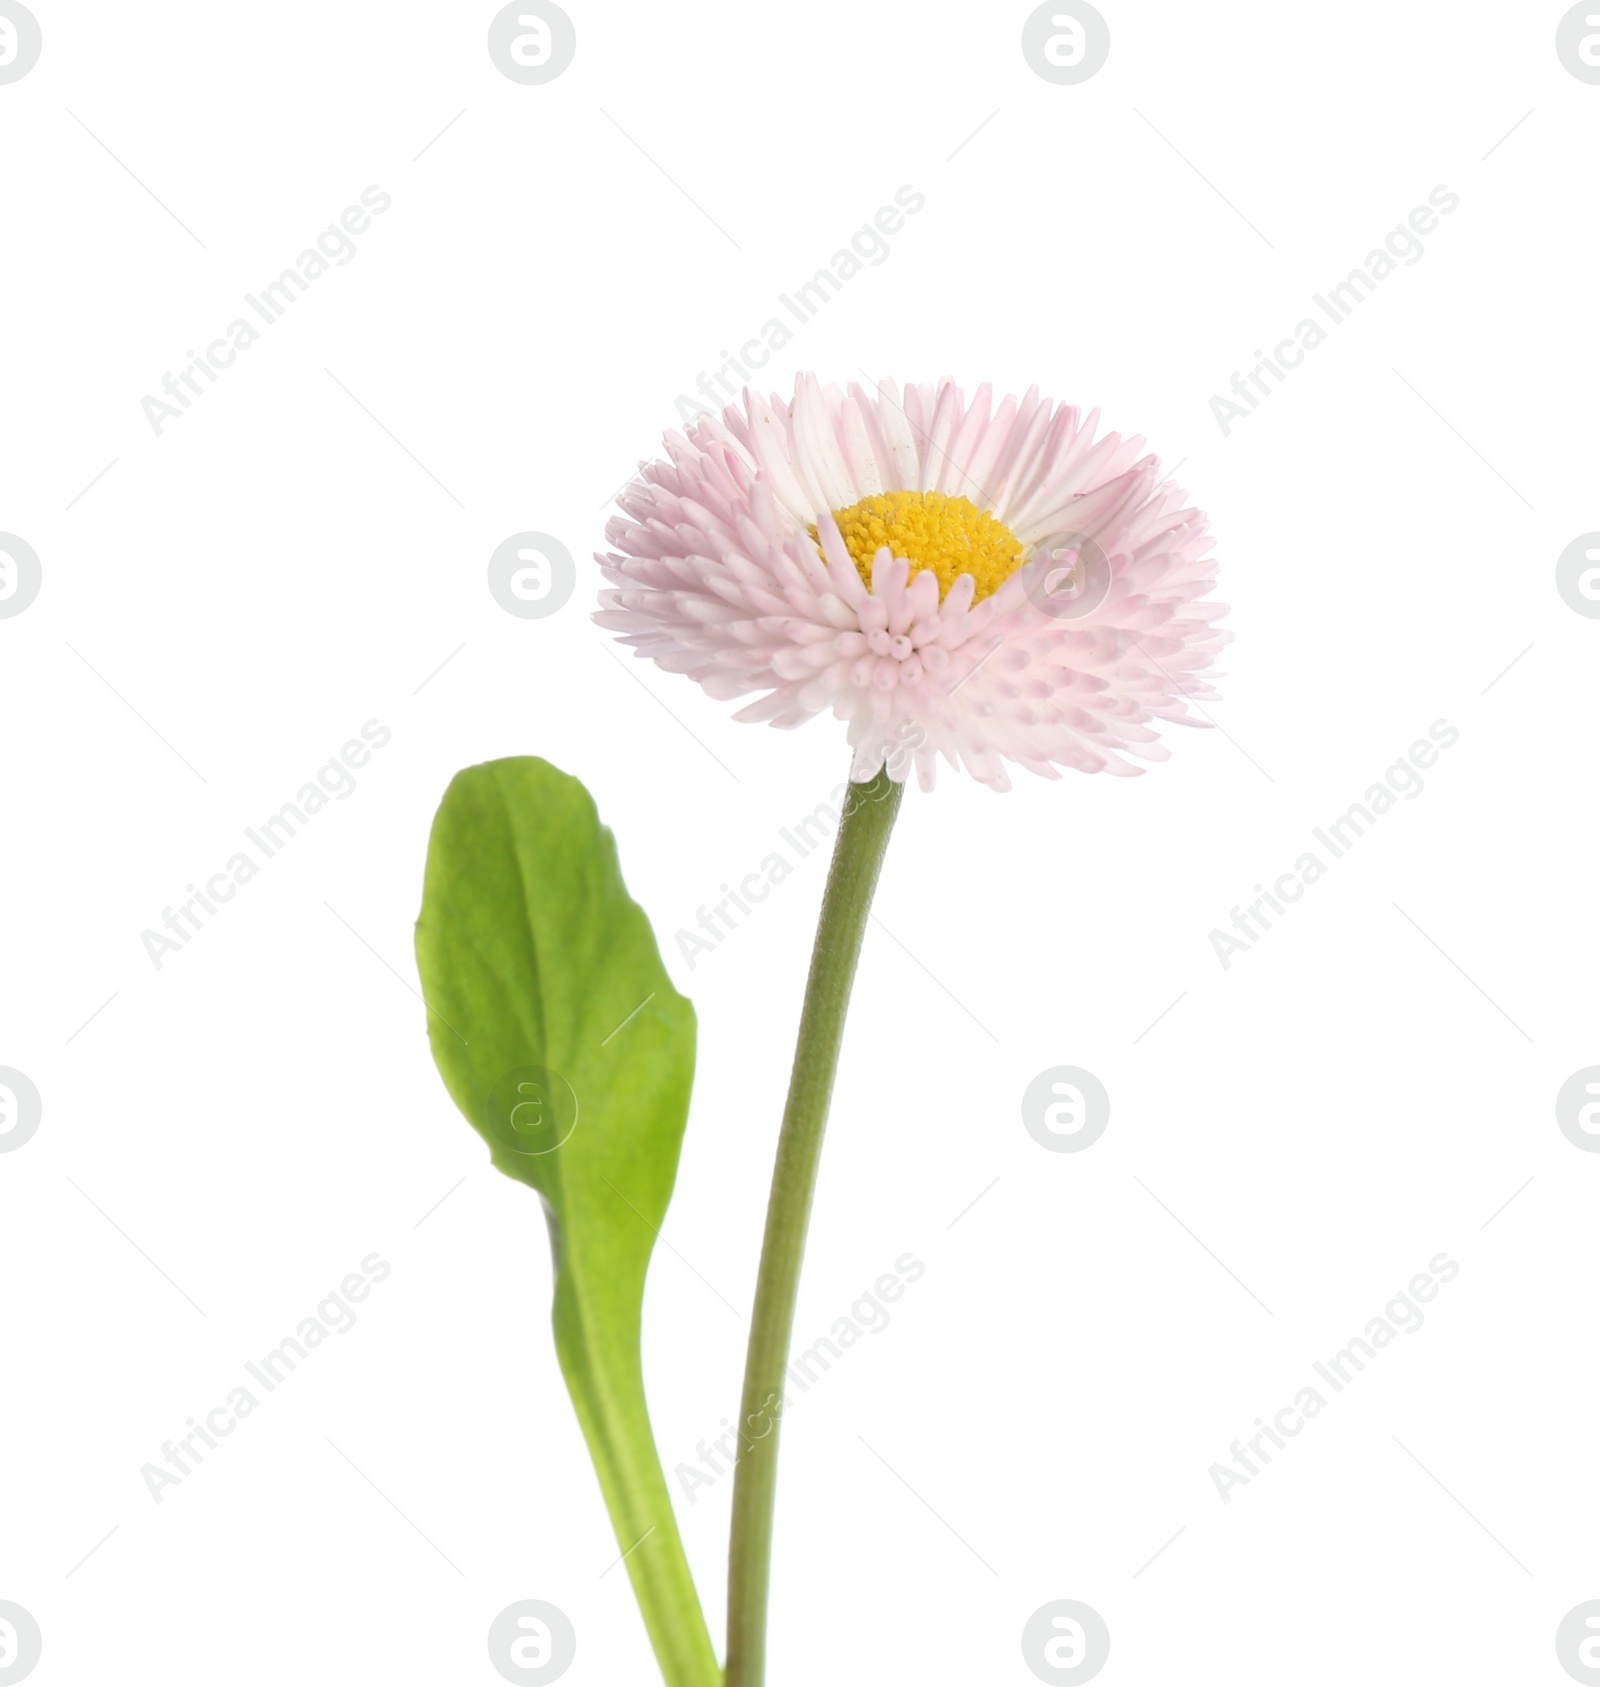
1354 1095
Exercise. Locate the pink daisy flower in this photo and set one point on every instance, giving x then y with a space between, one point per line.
985 583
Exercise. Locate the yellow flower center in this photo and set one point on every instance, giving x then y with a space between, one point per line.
950 536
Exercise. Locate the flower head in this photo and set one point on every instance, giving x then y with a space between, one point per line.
986 583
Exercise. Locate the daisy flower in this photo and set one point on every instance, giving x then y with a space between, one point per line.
987 583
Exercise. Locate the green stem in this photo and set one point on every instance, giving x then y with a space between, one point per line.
869 814
606 1382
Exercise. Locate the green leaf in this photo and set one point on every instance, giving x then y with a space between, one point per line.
561 1038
